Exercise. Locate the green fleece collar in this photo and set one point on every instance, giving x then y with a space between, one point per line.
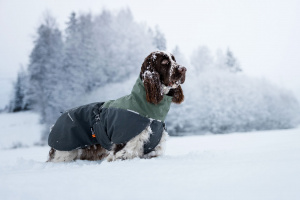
136 102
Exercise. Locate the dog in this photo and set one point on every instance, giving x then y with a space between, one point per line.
129 127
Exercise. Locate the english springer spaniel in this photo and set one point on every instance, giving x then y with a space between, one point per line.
129 127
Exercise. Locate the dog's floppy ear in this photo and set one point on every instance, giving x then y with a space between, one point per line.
153 87
177 95
151 79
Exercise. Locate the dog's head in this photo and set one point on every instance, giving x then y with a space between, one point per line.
162 75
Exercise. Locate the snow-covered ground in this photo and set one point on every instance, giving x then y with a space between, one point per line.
258 165
19 129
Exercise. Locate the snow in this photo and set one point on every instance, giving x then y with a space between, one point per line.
13 126
258 165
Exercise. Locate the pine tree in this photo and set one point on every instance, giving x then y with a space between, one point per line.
18 102
103 28
44 69
74 83
159 39
227 61
202 59
122 45
231 62
88 53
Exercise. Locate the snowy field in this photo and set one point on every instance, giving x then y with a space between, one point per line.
258 165
21 129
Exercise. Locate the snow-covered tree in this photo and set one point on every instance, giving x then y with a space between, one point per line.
159 39
227 62
232 62
44 69
73 66
103 28
122 44
89 55
80 60
219 101
18 101
202 59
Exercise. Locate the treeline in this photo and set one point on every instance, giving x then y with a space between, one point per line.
95 56
219 98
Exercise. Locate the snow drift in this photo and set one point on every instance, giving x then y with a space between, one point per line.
261 166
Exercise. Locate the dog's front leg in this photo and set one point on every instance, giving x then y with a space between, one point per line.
160 148
133 148
62 156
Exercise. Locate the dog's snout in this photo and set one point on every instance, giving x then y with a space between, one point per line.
182 69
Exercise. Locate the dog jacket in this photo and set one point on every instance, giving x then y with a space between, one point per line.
111 122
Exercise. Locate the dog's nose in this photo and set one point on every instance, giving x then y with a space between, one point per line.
182 70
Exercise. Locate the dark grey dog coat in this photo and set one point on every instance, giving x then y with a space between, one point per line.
112 122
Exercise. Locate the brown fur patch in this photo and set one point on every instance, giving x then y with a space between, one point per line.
94 152
177 95
153 88
51 154
118 147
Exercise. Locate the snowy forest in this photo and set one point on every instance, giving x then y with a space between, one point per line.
98 57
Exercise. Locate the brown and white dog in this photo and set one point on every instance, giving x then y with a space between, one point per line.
161 76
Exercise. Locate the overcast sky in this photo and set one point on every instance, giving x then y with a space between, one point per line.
264 35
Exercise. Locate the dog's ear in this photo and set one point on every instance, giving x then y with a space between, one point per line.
153 87
151 79
177 95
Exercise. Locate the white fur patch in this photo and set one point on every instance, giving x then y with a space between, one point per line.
160 148
153 56
166 89
148 74
65 156
134 148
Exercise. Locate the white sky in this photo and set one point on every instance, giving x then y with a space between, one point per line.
263 34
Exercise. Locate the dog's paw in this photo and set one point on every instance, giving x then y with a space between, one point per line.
111 157
150 155
120 155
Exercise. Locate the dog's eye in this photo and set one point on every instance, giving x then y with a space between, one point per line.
165 61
